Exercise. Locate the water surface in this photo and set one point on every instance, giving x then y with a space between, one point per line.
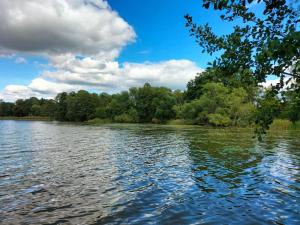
55 173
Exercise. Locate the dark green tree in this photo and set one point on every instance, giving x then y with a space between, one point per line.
292 100
62 107
81 106
6 108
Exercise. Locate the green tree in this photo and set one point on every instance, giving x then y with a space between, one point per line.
259 47
62 107
220 106
268 107
48 108
36 110
153 104
22 108
120 104
292 100
81 106
6 108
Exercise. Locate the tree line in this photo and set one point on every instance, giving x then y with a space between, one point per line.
205 103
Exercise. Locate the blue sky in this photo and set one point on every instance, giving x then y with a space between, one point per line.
123 45
160 27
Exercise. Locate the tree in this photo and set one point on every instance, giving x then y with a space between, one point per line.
22 108
220 106
6 108
261 46
163 102
81 106
292 100
48 108
62 107
143 102
36 110
120 104
153 104
268 107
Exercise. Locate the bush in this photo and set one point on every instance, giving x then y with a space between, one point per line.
219 119
124 118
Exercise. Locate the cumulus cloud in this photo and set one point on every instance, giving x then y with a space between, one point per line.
13 92
81 40
63 26
102 75
172 73
38 87
43 86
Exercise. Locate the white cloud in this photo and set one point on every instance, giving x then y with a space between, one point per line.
81 39
63 26
85 65
172 73
43 86
39 88
103 75
14 92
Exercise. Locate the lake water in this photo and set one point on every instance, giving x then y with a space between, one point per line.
55 173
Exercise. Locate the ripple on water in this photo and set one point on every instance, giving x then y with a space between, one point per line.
56 173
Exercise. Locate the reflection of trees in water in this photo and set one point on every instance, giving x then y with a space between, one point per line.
223 158
230 163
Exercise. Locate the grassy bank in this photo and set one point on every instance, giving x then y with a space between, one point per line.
280 124
98 121
27 118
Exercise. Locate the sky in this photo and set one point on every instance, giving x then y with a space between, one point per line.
51 46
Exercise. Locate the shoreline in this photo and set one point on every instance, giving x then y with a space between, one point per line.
26 118
277 125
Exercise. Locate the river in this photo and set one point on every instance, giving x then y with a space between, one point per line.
60 173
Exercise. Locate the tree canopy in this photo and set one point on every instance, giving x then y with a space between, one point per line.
260 46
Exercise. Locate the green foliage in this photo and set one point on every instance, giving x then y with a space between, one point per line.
130 117
292 100
265 43
218 119
61 107
36 109
153 103
6 108
28 107
219 106
268 108
101 112
97 121
81 106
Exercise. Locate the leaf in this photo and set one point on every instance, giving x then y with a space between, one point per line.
206 5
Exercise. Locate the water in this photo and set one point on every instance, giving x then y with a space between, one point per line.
54 173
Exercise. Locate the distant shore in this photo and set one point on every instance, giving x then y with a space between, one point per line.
27 118
278 124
